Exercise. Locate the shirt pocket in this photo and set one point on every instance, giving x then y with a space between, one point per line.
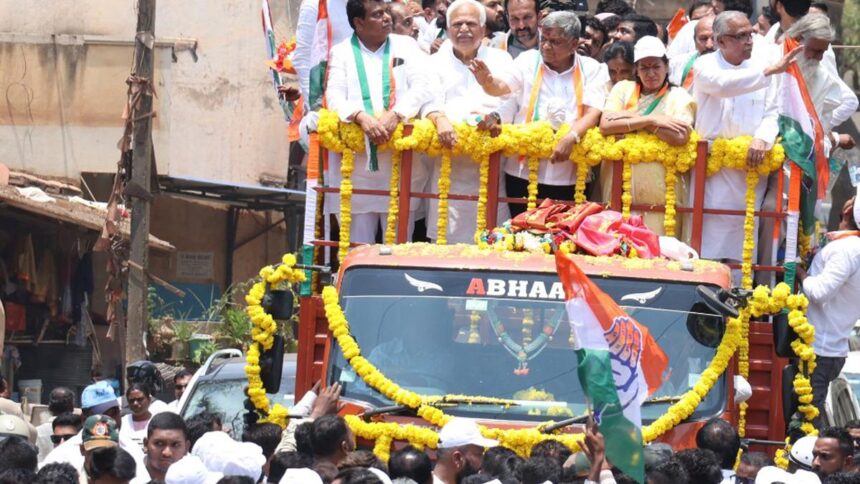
749 110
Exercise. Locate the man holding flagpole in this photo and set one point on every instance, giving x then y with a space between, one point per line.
376 80
681 72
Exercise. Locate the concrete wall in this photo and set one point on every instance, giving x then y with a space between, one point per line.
63 67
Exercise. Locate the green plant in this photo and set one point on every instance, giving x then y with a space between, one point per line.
235 327
182 332
203 352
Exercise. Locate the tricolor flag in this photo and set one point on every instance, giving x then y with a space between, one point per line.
799 126
620 365
678 21
320 50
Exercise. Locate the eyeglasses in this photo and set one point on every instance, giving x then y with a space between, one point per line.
58 439
742 37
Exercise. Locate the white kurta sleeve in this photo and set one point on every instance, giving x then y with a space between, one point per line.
768 130
337 89
305 30
420 90
837 269
728 82
595 88
847 107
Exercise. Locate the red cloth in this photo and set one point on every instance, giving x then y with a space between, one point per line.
606 233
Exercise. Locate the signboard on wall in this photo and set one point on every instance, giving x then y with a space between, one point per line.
195 265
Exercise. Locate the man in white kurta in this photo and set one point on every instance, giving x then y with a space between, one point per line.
834 101
409 90
461 98
736 96
681 72
558 99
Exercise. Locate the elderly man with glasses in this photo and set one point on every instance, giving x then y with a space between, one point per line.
736 95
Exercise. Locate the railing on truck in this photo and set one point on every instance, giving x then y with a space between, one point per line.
765 418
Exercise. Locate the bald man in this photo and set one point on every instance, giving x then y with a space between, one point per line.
681 67
402 20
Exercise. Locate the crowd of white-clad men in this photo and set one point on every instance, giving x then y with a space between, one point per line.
97 447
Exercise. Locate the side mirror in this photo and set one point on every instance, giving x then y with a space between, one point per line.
718 301
789 399
272 365
704 326
278 303
783 335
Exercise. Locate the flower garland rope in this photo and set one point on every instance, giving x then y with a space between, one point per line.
345 202
534 165
669 215
263 334
483 180
393 200
444 188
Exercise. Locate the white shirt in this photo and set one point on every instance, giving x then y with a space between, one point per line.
556 99
70 452
677 65
732 101
413 90
430 33
307 35
461 98
833 287
43 438
684 42
128 432
834 101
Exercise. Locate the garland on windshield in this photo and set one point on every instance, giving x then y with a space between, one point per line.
537 140
518 440
263 334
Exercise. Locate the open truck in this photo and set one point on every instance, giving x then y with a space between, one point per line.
463 321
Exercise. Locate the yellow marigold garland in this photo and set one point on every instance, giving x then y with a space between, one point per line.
537 141
345 202
444 189
669 222
483 181
263 333
534 164
393 199
626 190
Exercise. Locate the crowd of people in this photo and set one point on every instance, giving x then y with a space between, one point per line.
489 62
318 447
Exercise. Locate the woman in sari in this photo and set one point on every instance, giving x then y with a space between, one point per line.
648 103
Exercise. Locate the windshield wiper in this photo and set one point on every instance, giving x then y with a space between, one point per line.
442 402
660 400
580 419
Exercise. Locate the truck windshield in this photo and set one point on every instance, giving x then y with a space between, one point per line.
506 335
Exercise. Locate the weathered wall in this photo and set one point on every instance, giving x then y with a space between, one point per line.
62 87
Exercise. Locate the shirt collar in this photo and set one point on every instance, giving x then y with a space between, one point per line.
366 49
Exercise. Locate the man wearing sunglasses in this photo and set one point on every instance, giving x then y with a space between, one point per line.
64 427
180 383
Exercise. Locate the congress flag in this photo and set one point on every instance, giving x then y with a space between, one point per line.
620 365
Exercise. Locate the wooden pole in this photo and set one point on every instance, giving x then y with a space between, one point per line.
142 70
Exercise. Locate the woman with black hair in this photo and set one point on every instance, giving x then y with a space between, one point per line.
648 103
110 465
619 60
134 425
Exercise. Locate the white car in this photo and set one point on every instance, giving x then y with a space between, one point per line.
841 405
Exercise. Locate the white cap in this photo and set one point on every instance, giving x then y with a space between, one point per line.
801 451
771 474
220 453
648 46
301 476
190 470
462 431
